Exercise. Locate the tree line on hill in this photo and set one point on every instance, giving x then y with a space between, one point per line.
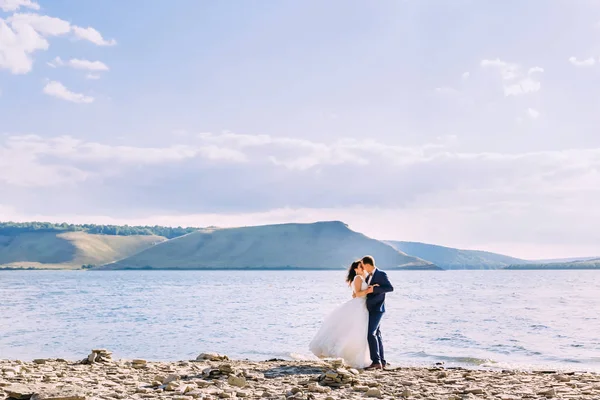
14 228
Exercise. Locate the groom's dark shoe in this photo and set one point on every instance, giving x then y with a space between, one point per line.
374 366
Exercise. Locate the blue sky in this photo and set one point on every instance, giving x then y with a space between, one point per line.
462 123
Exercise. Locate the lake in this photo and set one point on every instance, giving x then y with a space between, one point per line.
500 319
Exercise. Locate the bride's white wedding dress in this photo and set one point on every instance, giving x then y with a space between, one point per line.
344 333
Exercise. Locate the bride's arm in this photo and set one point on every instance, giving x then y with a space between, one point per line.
357 283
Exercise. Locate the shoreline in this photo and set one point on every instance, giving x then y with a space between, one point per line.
214 376
237 269
284 269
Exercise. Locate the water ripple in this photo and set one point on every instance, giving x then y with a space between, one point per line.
500 319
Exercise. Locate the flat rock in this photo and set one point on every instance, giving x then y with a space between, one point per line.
475 390
19 391
238 381
547 392
211 357
373 392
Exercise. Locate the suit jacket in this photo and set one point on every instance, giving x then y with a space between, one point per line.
376 300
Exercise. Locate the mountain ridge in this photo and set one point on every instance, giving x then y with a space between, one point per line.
319 245
453 258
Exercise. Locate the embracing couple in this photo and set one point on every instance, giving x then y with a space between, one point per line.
351 331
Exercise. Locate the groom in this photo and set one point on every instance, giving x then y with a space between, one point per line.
381 285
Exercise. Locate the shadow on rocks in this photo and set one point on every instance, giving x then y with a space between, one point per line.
287 370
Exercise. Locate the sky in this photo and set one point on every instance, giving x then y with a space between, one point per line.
465 123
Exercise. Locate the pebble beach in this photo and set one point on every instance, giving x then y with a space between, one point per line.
214 376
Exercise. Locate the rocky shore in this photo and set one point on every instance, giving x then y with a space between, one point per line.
213 376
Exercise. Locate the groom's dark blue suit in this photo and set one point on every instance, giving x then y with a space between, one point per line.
376 307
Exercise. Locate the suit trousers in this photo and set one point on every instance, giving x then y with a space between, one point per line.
374 338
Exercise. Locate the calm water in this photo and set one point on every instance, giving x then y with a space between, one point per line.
521 319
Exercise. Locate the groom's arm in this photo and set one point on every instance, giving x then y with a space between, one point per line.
385 286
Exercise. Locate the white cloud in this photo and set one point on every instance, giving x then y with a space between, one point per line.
524 86
507 70
466 75
14 5
93 36
92 77
533 70
533 114
58 90
23 34
582 63
16 46
301 154
80 64
516 82
21 157
21 168
42 24
289 153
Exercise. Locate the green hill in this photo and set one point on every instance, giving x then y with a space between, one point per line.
580 264
67 250
450 258
322 245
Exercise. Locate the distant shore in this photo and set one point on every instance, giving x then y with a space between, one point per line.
407 269
204 269
213 376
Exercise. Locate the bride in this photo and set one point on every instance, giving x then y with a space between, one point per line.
344 331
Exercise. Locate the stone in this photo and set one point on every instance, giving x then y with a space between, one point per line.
238 381
407 383
226 368
475 390
313 387
373 392
547 392
19 392
139 363
67 392
170 378
331 374
211 357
